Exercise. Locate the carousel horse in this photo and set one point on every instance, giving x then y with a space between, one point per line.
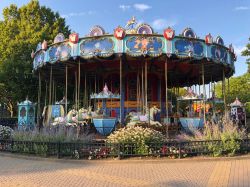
50 112
69 120
134 118
131 22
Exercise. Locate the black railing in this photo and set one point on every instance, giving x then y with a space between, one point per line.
97 150
10 122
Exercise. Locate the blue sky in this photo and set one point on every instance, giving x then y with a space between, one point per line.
227 18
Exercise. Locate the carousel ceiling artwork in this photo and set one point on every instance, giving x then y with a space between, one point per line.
137 41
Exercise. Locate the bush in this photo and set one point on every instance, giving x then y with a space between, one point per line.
135 140
5 132
51 135
248 109
226 131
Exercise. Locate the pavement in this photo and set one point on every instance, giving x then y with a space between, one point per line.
32 171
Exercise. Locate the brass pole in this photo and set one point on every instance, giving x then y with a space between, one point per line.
66 90
166 83
121 89
50 85
204 94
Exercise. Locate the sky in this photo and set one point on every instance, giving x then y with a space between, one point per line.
229 19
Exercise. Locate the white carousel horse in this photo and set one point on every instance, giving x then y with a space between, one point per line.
47 114
134 118
69 120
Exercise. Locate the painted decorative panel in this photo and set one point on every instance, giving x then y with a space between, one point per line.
60 52
38 60
97 47
151 46
188 47
219 53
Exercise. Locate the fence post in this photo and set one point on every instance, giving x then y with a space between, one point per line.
58 150
11 145
179 148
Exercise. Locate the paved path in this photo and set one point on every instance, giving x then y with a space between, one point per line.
46 172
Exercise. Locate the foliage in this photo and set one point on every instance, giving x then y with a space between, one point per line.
49 135
226 132
21 30
239 87
246 52
248 109
5 132
139 137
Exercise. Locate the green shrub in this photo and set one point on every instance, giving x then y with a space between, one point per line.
225 131
5 132
135 140
40 149
248 109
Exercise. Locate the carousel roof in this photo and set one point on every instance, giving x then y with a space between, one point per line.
26 102
190 96
100 52
105 94
236 103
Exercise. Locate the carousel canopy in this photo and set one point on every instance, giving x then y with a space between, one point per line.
26 102
135 44
190 96
105 94
236 103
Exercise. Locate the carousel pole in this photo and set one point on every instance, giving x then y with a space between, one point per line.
66 90
85 89
53 90
142 83
199 95
137 92
76 90
166 83
160 96
79 80
204 94
39 98
95 92
146 85
46 90
224 92
121 97
50 85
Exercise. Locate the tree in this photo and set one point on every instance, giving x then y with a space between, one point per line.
21 30
238 87
246 52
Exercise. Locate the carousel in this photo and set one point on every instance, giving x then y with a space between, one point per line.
126 77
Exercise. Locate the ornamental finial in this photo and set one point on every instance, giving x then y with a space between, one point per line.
130 24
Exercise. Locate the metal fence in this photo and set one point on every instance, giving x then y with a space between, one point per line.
10 122
97 150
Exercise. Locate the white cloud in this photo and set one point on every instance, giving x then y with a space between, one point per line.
141 7
124 7
242 8
239 49
163 23
73 14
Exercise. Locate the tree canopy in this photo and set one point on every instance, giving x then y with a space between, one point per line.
238 87
246 52
20 31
